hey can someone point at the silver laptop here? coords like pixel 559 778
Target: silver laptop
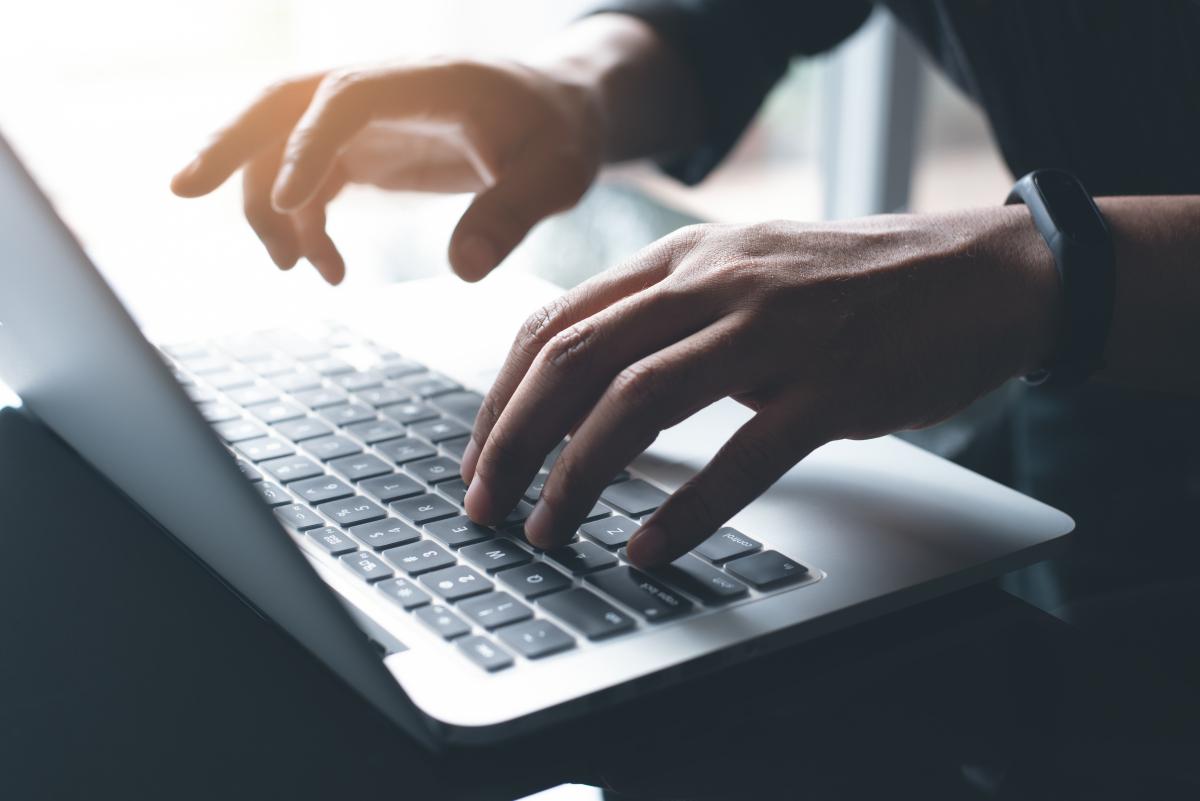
pixel 315 472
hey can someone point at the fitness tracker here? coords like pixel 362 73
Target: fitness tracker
pixel 1076 233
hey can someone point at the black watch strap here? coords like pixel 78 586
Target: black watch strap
pixel 1076 233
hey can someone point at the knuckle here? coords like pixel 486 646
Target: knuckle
pixel 639 385
pixel 568 349
pixel 538 327
pixel 489 413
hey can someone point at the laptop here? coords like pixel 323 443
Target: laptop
pixel 314 471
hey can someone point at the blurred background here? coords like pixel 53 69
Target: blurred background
pixel 106 100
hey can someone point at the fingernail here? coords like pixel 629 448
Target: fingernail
pixel 469 457
pixel 280 193
pixel 474 257
pixel 648 548
pixel 539 527
pixel 478 502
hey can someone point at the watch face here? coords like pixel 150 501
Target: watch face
pixel 1068 204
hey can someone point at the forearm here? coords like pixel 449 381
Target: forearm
pixel 647 96
pixel 1154 340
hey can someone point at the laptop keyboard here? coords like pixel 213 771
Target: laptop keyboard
pixel 356 450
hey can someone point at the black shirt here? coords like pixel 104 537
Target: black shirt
pixel 1108 90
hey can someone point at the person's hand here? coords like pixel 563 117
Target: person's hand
pixel 844 330
pixel 527 142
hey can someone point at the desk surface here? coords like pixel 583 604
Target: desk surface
pixel 130 672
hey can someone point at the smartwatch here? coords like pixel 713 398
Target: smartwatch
pixel 1078 237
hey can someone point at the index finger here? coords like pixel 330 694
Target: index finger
pixel 264 122
pixel 647 268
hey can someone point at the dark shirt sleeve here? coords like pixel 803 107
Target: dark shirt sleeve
pixel 738 49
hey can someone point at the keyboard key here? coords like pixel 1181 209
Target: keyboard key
pixel 431 471
pixel 397 367
pixel 597 512
pixel 619 477
pixel 439 430
pixel 464 405
pixel 322 488
pixel 211 410
pixel 459 531
pixel 409 413
pixel 353 382
pixel 186 350
pixel 534 580
pixel 329 366
pixel 249 472
pixel 386 533
pixel 767 569
pixel 553 455
pixel 648 597
pixel 297 383
pixel 402 451
pixel 634 497
pixel 455 490
pixel 536 638
pixel 304 428
pixel 404 592
pixel 534 491
pixel 726 544
pixel 455 446
pixel 427 385
pixel 206 364
pixel 382 396
pixel 444 622
pixel 239 430
pixel 326 448
pixel 611 532
pixel 391 488
pixel 253 394
pixel 263 448
pixel 292 468
pixel 496 554
pixel 298 517
pixel 364 465
pixel 348 414
pixel 456 583
pixel 495 609
pixel 374 431
pixel 332 541
pixel 711 585
pixel 484 653
pixel 230 379
pixel 419 557
pixel 587 613
pixel 352 511
pixel 321 397
pixel 424 509
pixel 272 494
pixel 519 514
pixel 367 565
pixel 582 557
pixel 271 367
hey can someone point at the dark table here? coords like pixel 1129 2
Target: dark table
pixel 130 672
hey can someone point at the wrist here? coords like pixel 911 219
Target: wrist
pixel 1022 253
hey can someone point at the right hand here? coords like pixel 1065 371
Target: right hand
pixel 526 142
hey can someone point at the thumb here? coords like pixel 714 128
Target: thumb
pixel 498 219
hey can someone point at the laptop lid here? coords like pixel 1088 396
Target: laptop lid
pixel 71 351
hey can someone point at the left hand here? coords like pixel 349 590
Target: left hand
pixel 826 331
